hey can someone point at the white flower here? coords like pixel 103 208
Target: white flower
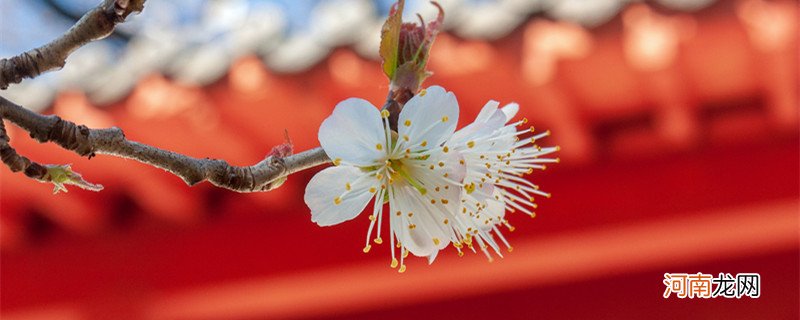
pixel 496 160
pixel 412 169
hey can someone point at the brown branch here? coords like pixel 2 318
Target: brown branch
pixel 263 176
pixel 18 163
pixel 94 25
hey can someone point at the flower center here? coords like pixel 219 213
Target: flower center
pixel 398 170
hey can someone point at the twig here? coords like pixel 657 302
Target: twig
pixel 112 141
pixel 18 163
pixel 95 24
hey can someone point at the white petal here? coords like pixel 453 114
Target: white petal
pixel 431 117
pixel 486 123
pixel 432 257
pixel 510 110
pixel 487 111
pixel 353 132
pixel 494 209
pixel 421 240
pixel 328 185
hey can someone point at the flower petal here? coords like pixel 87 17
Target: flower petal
pixel 419 227
pixel 330 201
pixel 510 110
pixel 354 133
pixel 487 111
pixel 489 120
pixel 430 116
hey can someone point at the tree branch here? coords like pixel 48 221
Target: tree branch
pixel 95 24
pixel 263 176
pixel 18 163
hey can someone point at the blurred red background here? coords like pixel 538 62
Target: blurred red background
pixel 679 137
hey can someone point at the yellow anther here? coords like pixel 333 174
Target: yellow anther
pixel 405 255
pixel 347 186
pixel 405 137
pixel 402 269
pixel 372 190
pixel 337 200
pixel 441 164
pixel 558 148
pixel 446 187
pixel 436 241
pixel 379 146
pixel 446 221
pixel 412 226
pixel 445 201
pixel 445 175
pixel 378 240
pixel 408 150
pixel 511 228
pixel 366 249
pixel 431 167
pixel 394 263
pixel 410 214
pixel 398 213
pixel 384 113
pixel 424 143
pixel 470 144
pixel 407 123
pixel 337 161
pixel 379 176
pixel 445 118
pixel 524 120
pixel 423 92
pixel 372 217
pixel 437 189
pixel 470 188
pixel 532 129
pixel 461 253
pixel 461 161
pixel 433 201
pixel 510 249
pixel 445 149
